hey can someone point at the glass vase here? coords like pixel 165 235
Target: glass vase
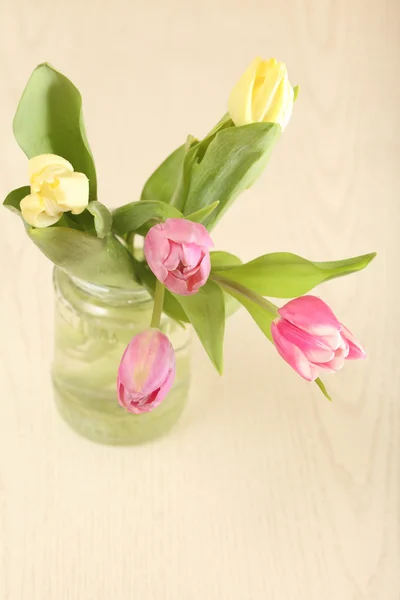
pixel 93 326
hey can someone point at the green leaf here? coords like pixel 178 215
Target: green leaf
pixel 296 90
pixel 323 389
pixel 226 260
pixel 206 312
pixel 131 217
pixel 285 275
pixel 162 184
pixel 231 164
pixel 102 218
pixel 102 261
pixel 223 260
pixel 49 120
pixel 170 181
pixel 171 307
pixel 223 123
pixel 200 215
pixel 14 198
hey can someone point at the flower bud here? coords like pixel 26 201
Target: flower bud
pixel 262 94
pixel 55 189
pixel 146 371
pixel 311 340
pixel 178 253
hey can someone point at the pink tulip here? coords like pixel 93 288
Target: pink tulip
pixel 311 339
pixel 178 253
pixel 146 372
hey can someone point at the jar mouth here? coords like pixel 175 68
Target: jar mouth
pixel 105 293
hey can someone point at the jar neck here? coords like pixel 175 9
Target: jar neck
pixel 113 296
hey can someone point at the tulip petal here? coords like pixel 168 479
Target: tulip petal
pixel 33 212
pixel 192 255
pixel 146 362
pixel 313 347
pixel 311 314
pixel 156 249
pixel 185 232
pixel 174 257
pixel 335 364
pixel 281 108
pixel 72 192
pixel 265 90
pixel 158 396
pixel 355 349
pixel 293 355
pixel 176 284
pixel 39 163
pixel 240 99
pixel 200 277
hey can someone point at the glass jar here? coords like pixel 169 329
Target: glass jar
pixel 93 326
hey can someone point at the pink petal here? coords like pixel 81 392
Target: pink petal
pixel 156 249
pixel 146 362
pixel 192 255
pixel 164 389
pixel 183 231
pixel 313 347
pixel 176 285
pixel 174 257
pixel 293 355
pixel 198 279
pixel 355 348
pixel 311 314
pixel 336 363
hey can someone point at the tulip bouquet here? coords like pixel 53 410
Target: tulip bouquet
pixel 181 203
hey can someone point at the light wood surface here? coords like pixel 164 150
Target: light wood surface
pixel 264 491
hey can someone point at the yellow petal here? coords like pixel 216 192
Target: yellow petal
pixel 33 212
pixel 240 99
pixel 72 192
pixel 281 108
pixel 37 164
pixel 264 92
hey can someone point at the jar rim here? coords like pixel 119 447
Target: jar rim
pixel 105 292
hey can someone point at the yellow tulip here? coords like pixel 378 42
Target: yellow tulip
pixel 55 189
pixel 263 93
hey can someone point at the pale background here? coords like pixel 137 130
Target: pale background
pixel 264 491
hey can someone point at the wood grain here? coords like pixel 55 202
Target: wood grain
pixel 264 491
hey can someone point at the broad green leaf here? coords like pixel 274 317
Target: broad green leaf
pixel 14 198
pixel 223 123
pixel 49 120
pixel 194 153
pixel 231 163
pixel 132 216
pixel 163 182
pixel 226 260
pixel 102 218
pixel 171 307
pixel 83 222
pixel 102 261
pixel 221 260
pixel 285 275
pixel 323 389
pixel 200 215
pixel 206 312
pixel 182 188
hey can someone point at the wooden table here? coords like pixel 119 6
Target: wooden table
pixel 264 491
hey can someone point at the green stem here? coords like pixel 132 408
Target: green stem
pixel 228 284
pixel 130 241
pixel 158 304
